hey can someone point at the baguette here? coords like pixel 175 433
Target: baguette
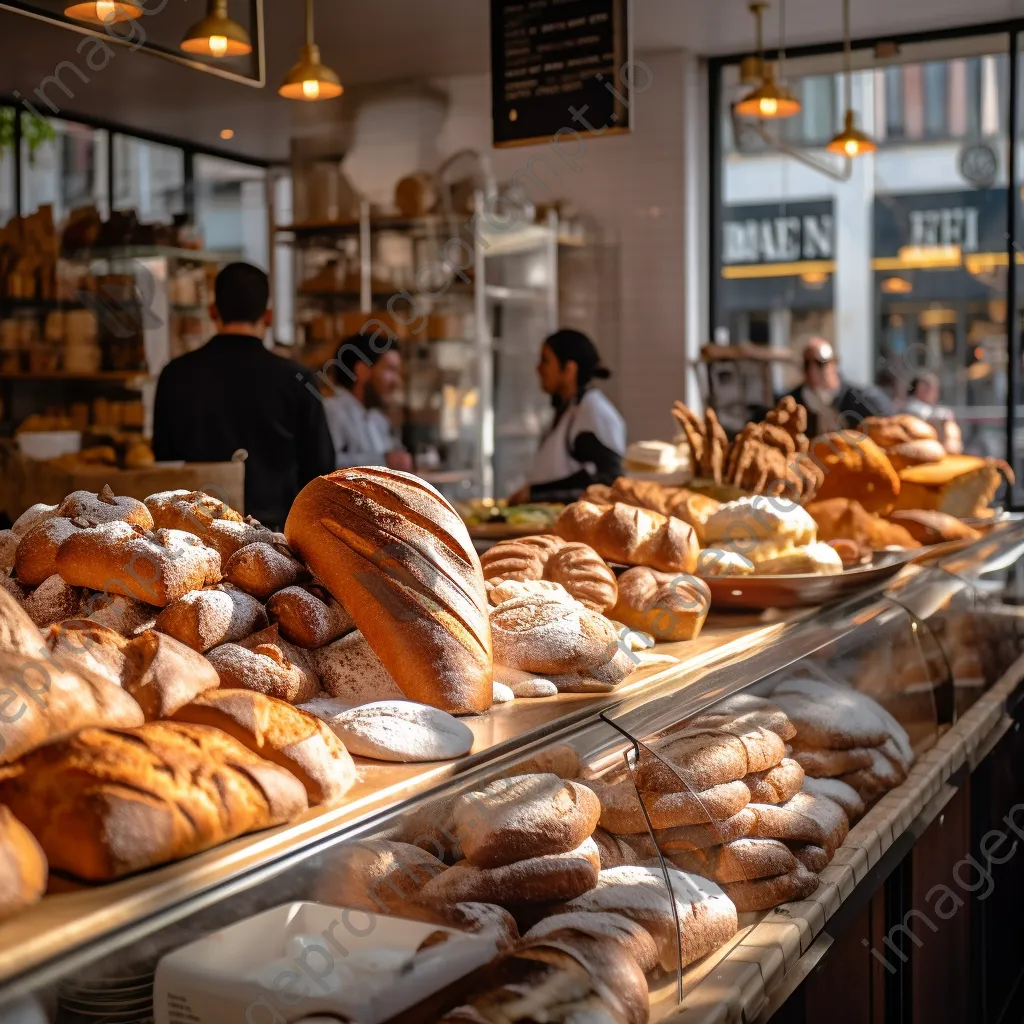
pixel 105 803
pixel 400 559
pixel 630 535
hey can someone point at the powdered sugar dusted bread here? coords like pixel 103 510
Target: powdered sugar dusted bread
pixel 218 525
pixel 559 876
pixel 524 816
pixel 636 942
pixel 105 507
pixel 18 633
pixel 838 792
pixel 766 893
pixel 806 818
pixel 706 916
pixel 308 616
pixel 738 861
pixel 163 674
pixel 744 711
pixel 400 730
pixel 397 555
pixel 32 517
pixel 203 619
pixel 828 764
pixel 623 814
pixel 119 558
pixel 712 833
pixel 8 545
pixel 266 664
pixel 832 716
pixel 53 601
pixel 261 569
pixel 350 671
pixel 124 615
pixel 281 734
pixel 36 557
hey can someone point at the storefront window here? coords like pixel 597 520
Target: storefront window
pixel 8 199
pixel 149 178
pixel 899 257
pixel 63 165
pixel 230 207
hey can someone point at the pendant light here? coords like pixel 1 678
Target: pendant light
pixel 217 35
pixel 769 100
pixel 851 141
pixel 310 80
pixel 103 12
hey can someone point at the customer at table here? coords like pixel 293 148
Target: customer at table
pixel 233 394
pixel 831 402
pixel 367 377
pixel 587 439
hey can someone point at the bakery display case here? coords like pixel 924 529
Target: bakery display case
pixel 761 777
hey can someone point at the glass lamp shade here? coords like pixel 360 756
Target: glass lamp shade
pixel 103 12
pixel 851 141
pixel 310 80
pixel 769 101
pixel 217 35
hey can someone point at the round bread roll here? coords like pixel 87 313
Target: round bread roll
pixel 766 893
pixel 266 664
pixel 85 645
pixel 23 869
pixel 584 574
pixel 636 942
pixel 669 607
pixel 118 558
pixel 399 730
pixel 308 616
pixel 350 671
pixel 776 785
pixel 558 876
pixel 261 569
pixel 163 674
pixel 35 559
pixel 376 875
pixel 32 517
pixel 738 861
pixel 838 792
pixel 397 555
pixel 524 816
pixel 204 619
pixel 53 601
pixel 279 733
pixel 915 453
pixel 105 507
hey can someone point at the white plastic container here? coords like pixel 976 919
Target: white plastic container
pixel 260 971
pixel 49 444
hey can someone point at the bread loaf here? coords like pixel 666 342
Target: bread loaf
pixel 308 616
pixel 203 619
pixel 633 939
pixel 105 803
pixel 805 818
pixel 521 559
pixel 846 519
pixel 830 764
pixel 105 507
pixel 18 633
pixel 689 506
pixel 739 861
pixel 524 816
pixel 399 558
pixel 838 792
pixel 283 735
pixel 892 431
pixel 118 558
pixel 87 646
pixel 915 453
pixel 43 701
pixel 36 557
pixel 622 813
pixel 931 527
pixel 632 536
pixel 776 785
pixel 261 569
pixel 855 467
pixel 124 615
pixel 349 671
pixel 742 712
pixel 766 893
pixel 829 716
pixel 8 546
pixel 53 601
pixel 712 833
pixel 814 858
pixel 163 675
pixel 32 517
pixel 266 664
pixel 23 867
pixel 669 607
pixel 211 520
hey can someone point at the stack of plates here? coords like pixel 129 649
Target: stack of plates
pixel 113 1001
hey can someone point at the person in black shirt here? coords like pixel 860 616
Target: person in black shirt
pixel 233 394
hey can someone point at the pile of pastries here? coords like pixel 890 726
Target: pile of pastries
pixel 596 881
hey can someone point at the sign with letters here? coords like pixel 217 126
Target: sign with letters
pixel 778 233
pixel 972 221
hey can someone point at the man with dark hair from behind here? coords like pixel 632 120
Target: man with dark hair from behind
pixel 234 394
pixel 367 374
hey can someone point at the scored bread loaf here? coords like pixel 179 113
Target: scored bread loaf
pixel 282 734
pixel 397 555
pixel 23 868
pixel 163 674
pixel 261 569
pixel 105 803
pixel 105 507
pixel 44 701
pixel 203 619
pixel 524 816
pixel 119 558
pixel 630 535
pixel 669 606
pixel 308 616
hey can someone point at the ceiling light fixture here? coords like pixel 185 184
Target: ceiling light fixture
pixel 217 35
pixel 851 141
pixel 897 286
pixel 310 80
pixel 103 12
pixel 227 133
pixel 769 100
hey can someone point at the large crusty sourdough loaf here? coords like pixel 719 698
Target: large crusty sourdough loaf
pixel 960 485
pixel 105 802
pixel 155 567
pixel 23 867
pixel 669 606
pixel 631 535
pixel 400 559
pixel 282 734
pixel 163 674
pixel 44 701
pixel 204 619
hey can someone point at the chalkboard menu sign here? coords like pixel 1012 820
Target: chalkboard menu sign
pixel 559 67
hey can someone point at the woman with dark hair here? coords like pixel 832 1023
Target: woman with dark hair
pixel 587 439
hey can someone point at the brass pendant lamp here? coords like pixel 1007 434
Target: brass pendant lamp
pixel 851 141
pixel 769 100
pixel 217 35
pixel 103 12
pixel 310 80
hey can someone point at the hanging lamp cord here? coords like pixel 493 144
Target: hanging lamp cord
pixel 309 22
